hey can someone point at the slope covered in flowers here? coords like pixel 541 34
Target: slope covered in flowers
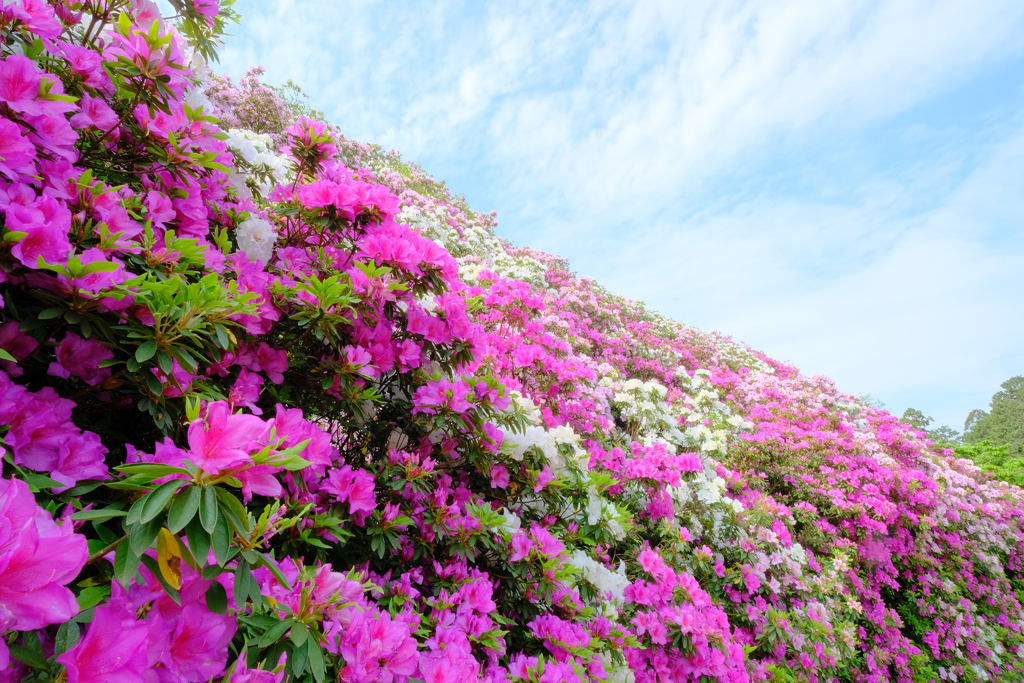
pixel 276 406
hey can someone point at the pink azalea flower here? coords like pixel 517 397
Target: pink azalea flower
pixel 37 16
pixel 54 133
pixel 86 63
pixel 246 391
pixel 521 545
pixel 45 224
pixel 290 425
pixel 411 355
pixel 221 440
pixel 244 674
pixel 546 544
pixel 352 486
pixel 448 665
pixel 208 8
pixel 145 12
pixel 160 209
pixel 273 362
pixel 92 284
pixel 195 640
pixel 17 344
pixel 17 153
pixel 430 326
pixel 95 113
pixel 113 650
pixel 37 559
pixel 81 357
pixel 43 437
pixel 80 457
pixel 179 381
pixel 260 479
pixel 19 84
pixel 376 648
pixel 544 477
pixel 499 477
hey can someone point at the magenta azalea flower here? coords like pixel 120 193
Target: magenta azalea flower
pixel 352 486
pixel 81 358
pixel 196 645
pixel 16 153
pixel 43 437
pixel 37 16
pixel 37 559
pixel 377 649
pixel 95 113
pixel 19 84
pixel 293 428
pixel 17 344
pixel 45 224
pixel 222 440
pixel 113 649
pixel 244 674
pixel 442 394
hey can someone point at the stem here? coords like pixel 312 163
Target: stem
pixel 98 555
pixel 89 390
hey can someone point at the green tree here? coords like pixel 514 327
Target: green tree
pixel 942 436
pixel 916 419
pixel 1003 424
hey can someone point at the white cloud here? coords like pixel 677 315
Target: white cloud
pixel 640 140
pixel 920 310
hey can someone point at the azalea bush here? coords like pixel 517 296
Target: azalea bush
pixel 276 405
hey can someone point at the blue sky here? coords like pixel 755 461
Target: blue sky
pixel 838 184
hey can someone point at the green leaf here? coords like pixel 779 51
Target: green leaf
pixel 233 510
pixel 126 563
pixel 156 502
pixel 99 267
pixel 156 387
pixel 185 358
pixel 29 657
pixel 217 598
pixel 222 336
pixel 198 540
pixel 151 470
pixel 67 637
pixel 165 362
pixel 208 509
pixel 298 657
pixel 135 512
pixel 4 355
pixel 243 576
pixel 84 486
pixel 102 513
pixel 37 482
pixel 316 659
pixel 93 595
pixel 221 538
pixel 184 508
pixel 51 313
pixel 145 351
pixel 274 633
pixel 141 536
pixel 298 635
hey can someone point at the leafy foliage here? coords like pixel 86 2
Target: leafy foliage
pixel 276 406
pixel 1003 424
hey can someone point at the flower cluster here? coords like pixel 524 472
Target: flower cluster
pixel 275 405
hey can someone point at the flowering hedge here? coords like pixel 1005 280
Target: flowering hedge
pixel 276 406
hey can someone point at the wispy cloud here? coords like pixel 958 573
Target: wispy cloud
pixel 818 179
